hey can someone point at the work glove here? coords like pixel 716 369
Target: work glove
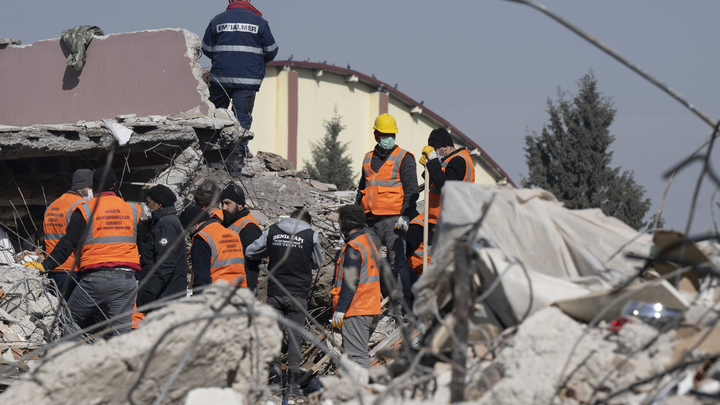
pixel 428 153
pixel 338 319
pixel 402 224
pixel 34 265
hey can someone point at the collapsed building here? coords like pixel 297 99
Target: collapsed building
pixel 524 301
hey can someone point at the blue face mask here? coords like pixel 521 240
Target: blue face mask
pixel 387 142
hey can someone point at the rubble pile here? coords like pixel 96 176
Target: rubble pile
pixel 226 334
pixel 29 307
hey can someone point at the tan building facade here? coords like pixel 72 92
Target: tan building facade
pixel 297 97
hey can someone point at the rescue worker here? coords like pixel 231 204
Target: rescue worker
pixel 294 251
pixel 238 218
pixel 55 222
pixel 356 286
pixel 388 192
pixel 109 254
pixel 170 276
pixel 444 162
pixel 204 197
pixel 239 43
pixel 414 252
pixel 216 252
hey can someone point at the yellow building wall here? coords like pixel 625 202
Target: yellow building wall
pixel 318 98
pixel 356 103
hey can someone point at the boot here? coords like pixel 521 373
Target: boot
pixel 294 392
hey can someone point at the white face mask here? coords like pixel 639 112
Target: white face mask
pixel 89 196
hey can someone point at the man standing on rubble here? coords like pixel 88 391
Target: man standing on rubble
pixel 456 165
pixel 55 223
pixel 109 254
pixel 170 274
pixel 388 193
pixel 239 43
pixel 294 250
pixel 238 218
pixel 356 286
pixel 216 252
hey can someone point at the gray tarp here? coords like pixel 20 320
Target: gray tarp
pixel 567 253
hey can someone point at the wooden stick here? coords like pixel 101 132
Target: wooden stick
pixel 425 218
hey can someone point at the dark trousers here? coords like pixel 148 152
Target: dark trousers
pixel 243 102
pixel 293 339
pixel 105 290
pixel 394 241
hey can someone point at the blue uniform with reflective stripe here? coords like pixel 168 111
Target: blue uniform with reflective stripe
pixel 239 43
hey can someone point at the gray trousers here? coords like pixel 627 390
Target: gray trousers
pixel 293 339
pixel 394 241
pixel 108 290
pixel 356 332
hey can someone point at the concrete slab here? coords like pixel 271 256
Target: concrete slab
pixel 143 73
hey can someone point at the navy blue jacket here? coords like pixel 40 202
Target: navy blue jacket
pixel 239 43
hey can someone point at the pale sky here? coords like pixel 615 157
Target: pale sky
pixel 486 66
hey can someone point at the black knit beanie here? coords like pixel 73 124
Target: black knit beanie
pixel 162 195
pixel 193 215
pixel 110 180
pixel 233 192
pixel 439 138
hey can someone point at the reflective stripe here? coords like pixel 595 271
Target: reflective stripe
pixel 136 213
pixel 417 221
pixel 364 279
pixel 53 236
pixel 211 242
pixel 386 183
pixel 227 262
pixel 418 253
pixel 70 211
pixel 234 48
pixel 270 48
pixel 238 228
pixel 111 239
pixel 236 80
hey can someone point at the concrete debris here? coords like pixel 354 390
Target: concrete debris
pixel 215 396
pixel 233 351
pixel 275 162
pixel 29 305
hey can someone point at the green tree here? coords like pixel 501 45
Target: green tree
pixel 329 161
pixel 651 222
pixel 571 157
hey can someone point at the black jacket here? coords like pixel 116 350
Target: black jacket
pixel 408 177
pixel 171 275
pixel 455 170
pixel 301 244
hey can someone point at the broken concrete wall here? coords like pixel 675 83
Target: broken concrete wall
pixel 145 73
pixel 233 352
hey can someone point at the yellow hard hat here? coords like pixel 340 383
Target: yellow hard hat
pixel 385 123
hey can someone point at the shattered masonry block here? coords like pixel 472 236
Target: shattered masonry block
pixel 144 73
pixel 233 352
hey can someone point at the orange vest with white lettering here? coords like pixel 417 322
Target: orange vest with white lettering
pixel 434 197
pixel 415 262
pixel 366 300
pixel 227 261
pixel 57 217
pixel 383 193
pixel 217 213
pixel 112 232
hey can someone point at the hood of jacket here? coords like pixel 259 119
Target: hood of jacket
pixel 293 225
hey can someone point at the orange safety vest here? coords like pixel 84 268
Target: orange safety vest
pixel 227 262
pixel 416 260
pixel 383 193
pixel 113 233
pixel 57 218
pixel 434 197
pixel 217 214
pixel 367 296
pixel 242 222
